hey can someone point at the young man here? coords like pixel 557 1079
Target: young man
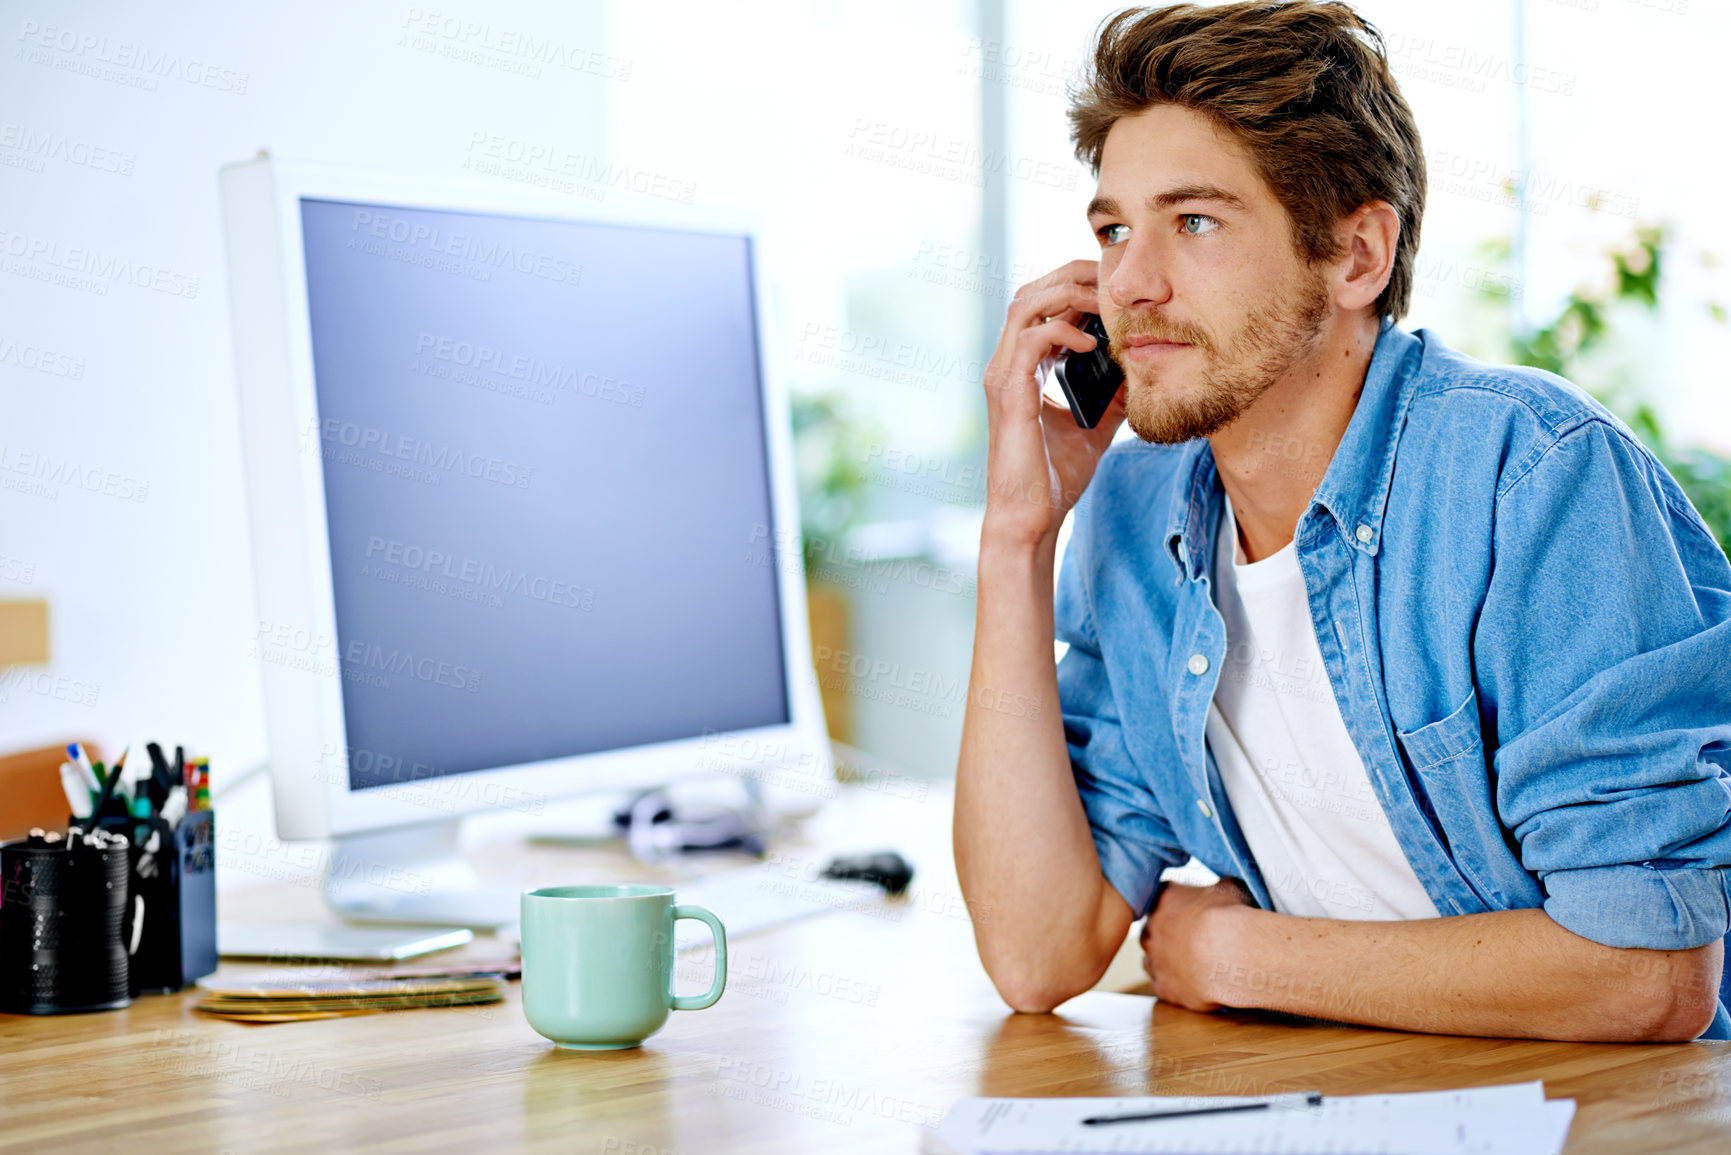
pixel 1428 659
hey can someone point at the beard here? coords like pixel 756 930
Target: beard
pixel 1237 369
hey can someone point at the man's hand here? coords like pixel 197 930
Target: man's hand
pixel 1038 460
pixel 1507 973
pixel 1179 941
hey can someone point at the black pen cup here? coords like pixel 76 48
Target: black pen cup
pixel 177 882
pixel 63 922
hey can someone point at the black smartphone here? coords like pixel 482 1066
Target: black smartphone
pixel 1090 380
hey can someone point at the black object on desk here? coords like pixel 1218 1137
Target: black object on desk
pixel 65 925
pixel 1311 1099
pixel 886 868
pixel 178 883
pixel 172 829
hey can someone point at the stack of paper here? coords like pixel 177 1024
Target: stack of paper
pixel 281 1001
pixel 1515 1119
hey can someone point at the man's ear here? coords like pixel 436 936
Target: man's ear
pixel 1367 238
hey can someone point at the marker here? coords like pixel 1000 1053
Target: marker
pixel 1313 1099
pixel 200 783
pixel 77 793
pixel 82 761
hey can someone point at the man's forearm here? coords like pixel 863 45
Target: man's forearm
pixel 1509 973
pixel 1024 853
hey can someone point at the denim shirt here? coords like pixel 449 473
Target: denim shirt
pixel 1526 626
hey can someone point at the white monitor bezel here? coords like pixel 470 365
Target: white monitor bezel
pixel 304 709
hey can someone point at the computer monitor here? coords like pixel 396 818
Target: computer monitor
pixel 519 488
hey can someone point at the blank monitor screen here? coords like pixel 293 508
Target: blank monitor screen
pixel 546 486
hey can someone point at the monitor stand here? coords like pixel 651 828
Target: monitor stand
pixel 414 874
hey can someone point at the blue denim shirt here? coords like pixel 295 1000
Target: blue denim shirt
pixel 1526 625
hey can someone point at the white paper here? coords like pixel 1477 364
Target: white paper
pixel 1559 1113
pixel 1513 1119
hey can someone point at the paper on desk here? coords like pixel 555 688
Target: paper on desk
pixel 1508 1120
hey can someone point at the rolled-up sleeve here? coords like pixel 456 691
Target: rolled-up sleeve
pixel 1133 840
pixel 1603 654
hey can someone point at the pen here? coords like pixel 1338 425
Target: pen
pixel 82 760
pixel 160 779
pixel 118 773
pixel 77 793
pixel 107 793
pixel 1312 1099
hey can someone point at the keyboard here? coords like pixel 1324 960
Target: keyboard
pixel 758 898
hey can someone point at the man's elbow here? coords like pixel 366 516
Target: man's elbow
pixel 1035 994
pixel 1043 965
pixel 1660 1016
pixel 1036 984
pixel 1684 1015
pixel 1675 1008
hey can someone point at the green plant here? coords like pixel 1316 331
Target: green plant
pixel 1568 343
pixel 831 446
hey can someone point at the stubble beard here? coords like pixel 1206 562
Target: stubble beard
pixel 1273 338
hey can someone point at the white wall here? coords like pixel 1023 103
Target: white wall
pixel 114 119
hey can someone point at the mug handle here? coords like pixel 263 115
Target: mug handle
pixel 698 1002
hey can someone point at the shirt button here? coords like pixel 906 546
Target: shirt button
pixel 1207 810
pixel 1364 534
pixel 1198 664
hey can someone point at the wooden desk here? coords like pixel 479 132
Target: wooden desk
pixel 843 1033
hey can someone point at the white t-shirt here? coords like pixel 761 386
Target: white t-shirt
pixel 1295 779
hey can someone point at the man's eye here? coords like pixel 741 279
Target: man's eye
pixel 1112 234
pixel 1196 225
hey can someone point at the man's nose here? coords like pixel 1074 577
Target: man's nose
pixel 1140 277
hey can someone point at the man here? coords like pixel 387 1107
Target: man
pixel 1428 659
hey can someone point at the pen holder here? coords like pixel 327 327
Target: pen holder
pixel 178 881
pixel 63 928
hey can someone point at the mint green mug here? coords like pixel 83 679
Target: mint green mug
pixel 598 963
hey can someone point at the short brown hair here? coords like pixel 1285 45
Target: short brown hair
pixel 1304 85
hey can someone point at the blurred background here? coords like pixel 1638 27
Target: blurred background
pixel 908 166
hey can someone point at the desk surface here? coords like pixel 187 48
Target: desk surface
pixel 843 1033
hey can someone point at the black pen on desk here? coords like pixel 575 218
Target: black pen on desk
pixel 108 786
pixel 160 776
pixel 1310 1100
pixel 122 788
